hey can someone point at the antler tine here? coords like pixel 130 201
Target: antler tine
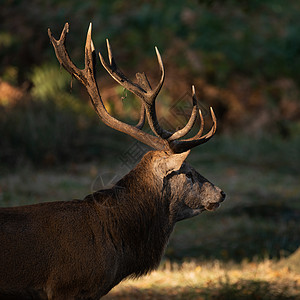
pixel 117 75
pixel 162 77
pixel 150 98
pixel 62 53
pixel 142 89
pixel 141 122
pixel 184 145
pixel 214 127
pixel 89 51
pixel 199 133
pixel 110 55
pixel 187 128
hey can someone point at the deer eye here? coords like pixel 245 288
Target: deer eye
pixel 190 176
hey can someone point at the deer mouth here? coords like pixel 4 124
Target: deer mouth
pixel 212 206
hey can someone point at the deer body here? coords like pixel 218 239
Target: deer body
pixel 70 250
pixel 81 249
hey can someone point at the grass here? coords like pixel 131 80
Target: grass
pixel 244 250
pixel 212 281
pixel 29 186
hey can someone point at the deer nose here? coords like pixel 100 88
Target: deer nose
pixel 223 195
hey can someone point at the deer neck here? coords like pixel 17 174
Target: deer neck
pixel 139 221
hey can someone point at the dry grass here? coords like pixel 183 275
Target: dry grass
pixel 212 281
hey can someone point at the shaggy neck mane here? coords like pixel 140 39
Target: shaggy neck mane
pixel 136 218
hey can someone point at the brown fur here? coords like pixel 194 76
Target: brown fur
pixel 80 249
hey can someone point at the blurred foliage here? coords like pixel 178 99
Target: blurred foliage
pixel 48 81
pixel 243 56
pixel 46 133
pixel 51 84
pixel 255 38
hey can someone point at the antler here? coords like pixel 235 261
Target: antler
pixel 87 77
pixel 163 139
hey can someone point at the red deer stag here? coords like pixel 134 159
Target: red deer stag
pixel 81 249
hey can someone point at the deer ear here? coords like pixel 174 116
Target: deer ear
pixel 174 162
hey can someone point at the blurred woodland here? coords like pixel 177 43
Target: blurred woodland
pixel 243 58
